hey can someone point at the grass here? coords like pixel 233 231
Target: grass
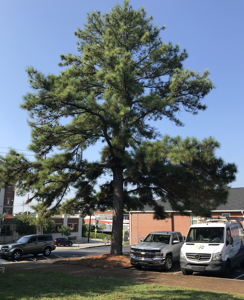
pixel 58 286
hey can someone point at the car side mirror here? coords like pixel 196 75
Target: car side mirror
pixel 141 240
pixel 176 242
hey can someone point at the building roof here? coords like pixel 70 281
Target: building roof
pixel 235 202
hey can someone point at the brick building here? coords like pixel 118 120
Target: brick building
pixel 142 222
pixel 7 200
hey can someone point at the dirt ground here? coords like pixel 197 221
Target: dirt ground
pixel 103 261
pixel 118 267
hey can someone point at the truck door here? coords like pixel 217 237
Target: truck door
pixel 176 246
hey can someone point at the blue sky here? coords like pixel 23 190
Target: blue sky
pixel 35 33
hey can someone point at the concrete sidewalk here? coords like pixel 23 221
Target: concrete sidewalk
pixel 84 244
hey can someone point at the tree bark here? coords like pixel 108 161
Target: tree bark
pixel 118 203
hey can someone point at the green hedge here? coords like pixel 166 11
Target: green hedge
pixel 98 235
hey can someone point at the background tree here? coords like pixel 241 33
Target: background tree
pixel 43 221
pixel 115 90
pixel 24 224
pixel 102 227
pixel 65 230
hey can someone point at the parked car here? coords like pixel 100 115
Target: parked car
pixel 62 242
pixel 29 244
pixel 159 249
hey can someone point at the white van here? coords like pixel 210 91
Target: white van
pixel 216 245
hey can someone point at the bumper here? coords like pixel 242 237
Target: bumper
pixel 5 254
pixel 156 262
pixel 216 266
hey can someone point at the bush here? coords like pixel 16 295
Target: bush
pixel 97 235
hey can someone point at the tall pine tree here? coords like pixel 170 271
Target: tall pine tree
pixel 121 80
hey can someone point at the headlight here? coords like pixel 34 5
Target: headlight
pixel 217 256
pixel 10 247
pixel 182 255
pixel 132 251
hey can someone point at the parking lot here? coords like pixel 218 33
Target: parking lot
pixel 89 250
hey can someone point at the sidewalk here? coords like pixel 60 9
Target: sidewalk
pixel 84 244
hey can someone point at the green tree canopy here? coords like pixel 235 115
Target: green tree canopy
pixel 65 230
pixel 24 223
pixel 123 79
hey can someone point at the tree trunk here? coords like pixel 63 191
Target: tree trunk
pixel 118 203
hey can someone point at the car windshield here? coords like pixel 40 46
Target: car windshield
pixel 206 235
pixel 157 238
pixel 23 239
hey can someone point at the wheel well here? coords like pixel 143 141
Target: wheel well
pixel 169 254
pixel 18 250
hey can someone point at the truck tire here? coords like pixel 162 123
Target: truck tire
pixel 138 267
pixel 186 272
pixel 168 263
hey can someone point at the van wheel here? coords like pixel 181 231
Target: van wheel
pixel 17 254
pixel 227 271
pixel 186 272
pixel 242 264
pixel 168 264
pixel 47 251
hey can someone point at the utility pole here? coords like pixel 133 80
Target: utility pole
pixel 23 203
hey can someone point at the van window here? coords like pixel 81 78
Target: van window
pixel 206 235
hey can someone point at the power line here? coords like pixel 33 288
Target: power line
pixel 15 149
pixel 25 154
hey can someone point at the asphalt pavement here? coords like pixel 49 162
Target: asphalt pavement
pixel 85 244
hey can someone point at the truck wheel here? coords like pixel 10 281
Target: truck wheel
pixel 186 272
pixel 168 264
pixel 138 267
pixel 17 254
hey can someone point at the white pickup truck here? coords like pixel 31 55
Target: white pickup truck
pixel 159 249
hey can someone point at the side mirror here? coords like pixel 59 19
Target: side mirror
pixel 141 240
pixel 176 242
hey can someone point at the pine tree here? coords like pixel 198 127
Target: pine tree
pixel 122 79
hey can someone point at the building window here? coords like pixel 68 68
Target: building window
pixel 57 226
pixel 225 215
pixel 73 227
pixel 194 219
pixel 8 201
pixel 5 230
